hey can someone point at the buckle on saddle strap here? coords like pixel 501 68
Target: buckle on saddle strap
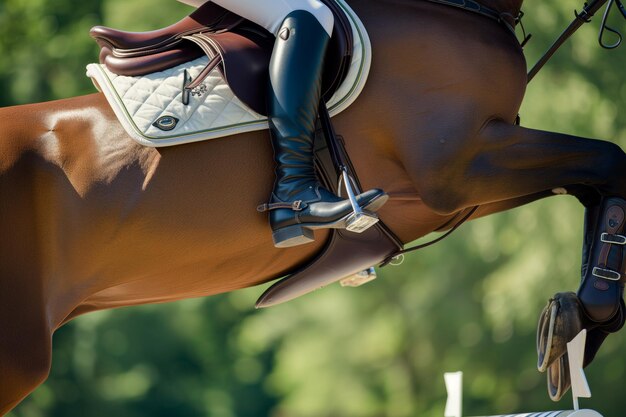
pixel 606 274
pixel 613 239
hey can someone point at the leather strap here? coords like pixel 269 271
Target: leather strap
pixel 297 205
pixel 581 18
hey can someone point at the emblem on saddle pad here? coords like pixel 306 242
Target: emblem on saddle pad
pixel 166 123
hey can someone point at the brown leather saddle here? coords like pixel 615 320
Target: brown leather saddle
pixel 241 50
pixel 236 47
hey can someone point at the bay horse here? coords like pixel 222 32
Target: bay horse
pixel 91 220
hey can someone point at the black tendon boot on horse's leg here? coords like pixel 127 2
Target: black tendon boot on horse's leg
pixel 299 203
pixel 598 306
pixel 602 286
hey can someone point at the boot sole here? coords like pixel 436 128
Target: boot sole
pixel 300 234
pixel 292 236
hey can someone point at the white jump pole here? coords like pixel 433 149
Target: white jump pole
pixel 567 413
pixel 580 387
pixel 576 356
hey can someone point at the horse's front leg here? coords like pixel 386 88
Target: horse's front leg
pixel 511 163
pixel 25 335
pixel 504 162
pixel 25 319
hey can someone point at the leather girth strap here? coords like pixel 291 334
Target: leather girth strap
pixel 345 253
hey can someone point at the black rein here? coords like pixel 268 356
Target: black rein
pixel 589 9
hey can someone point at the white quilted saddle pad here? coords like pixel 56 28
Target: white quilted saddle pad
pixel 139 102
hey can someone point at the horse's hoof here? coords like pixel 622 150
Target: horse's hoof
pixel 558 324
pixel 292 236
pixel 558 377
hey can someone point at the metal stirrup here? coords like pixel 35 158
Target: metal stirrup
pixel 359 220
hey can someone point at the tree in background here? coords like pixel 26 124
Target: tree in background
pixel 469 303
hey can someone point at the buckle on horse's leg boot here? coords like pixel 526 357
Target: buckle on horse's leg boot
pixel 359 220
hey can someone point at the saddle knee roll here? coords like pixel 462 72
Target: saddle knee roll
pixel 602 286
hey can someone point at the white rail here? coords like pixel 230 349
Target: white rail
pixel 580 388
pixel 566 413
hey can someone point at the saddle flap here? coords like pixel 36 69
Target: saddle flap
pixel 365 249
pixel 246 58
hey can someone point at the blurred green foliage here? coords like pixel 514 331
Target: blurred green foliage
pixel 469 303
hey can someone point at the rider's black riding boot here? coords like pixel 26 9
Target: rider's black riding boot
pixel 298 203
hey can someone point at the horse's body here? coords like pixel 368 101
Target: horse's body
pixel 91 220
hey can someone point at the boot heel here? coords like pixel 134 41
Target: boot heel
pixel 292 236
pixel 360 222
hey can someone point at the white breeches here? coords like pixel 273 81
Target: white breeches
pixel 271 13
